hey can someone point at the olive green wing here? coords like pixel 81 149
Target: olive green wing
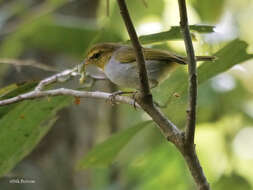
pixel 127 55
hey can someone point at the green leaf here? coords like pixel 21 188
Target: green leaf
pixel 7 89
pixel 116 24
pixel 24 126
pixel 14 90
pixel 233 53
pixel 103 154
pixel 173 34
pixel 232 182
pixel 14 44
pixel 209 11
pixel 160 168
pixel 51 36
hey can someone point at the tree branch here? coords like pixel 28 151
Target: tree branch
pixel 59 77
pixel 143 76
pixel 67 92
pixel 188 150
pixel 191 112
pixel 184 143
pixel 63 77
pixel 31 63
pixel 168 129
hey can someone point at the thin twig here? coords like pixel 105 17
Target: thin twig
pixel 31 63
pixel 67 92
pixel 191 112
pixel 188 150
pixel 63 77
pixel 143 76
pixel 59 77
pixel 168 129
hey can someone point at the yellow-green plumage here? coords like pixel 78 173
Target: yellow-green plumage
pixel 119 63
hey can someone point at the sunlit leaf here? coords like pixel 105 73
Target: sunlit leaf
pixel 173 34
pixel 233 53
pixel 209 11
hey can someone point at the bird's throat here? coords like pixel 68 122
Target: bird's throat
pixel 104 60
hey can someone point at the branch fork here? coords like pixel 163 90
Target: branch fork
pixel 184 141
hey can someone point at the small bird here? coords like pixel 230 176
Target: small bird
pixel 118 62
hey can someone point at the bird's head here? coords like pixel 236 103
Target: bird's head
pixel 100 54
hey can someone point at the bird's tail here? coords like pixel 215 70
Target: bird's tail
pixel 184 60
pixel 205 58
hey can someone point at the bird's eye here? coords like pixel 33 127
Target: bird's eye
pixel 96 55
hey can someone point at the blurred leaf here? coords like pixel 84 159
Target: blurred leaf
pixel 24 126
pixel 173 34
pixel 16 90
pixel 233 53
pixel 7 89
pixel 102 155
pixel 20 89
pixel 14 44
pixel 51 36
pixel 209 11
pixel 116 24
pixel 232 182
pixel 210 139
pixel 160 168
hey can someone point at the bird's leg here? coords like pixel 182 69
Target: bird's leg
pixel 134 98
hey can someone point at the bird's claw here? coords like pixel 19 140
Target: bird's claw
pixel 113 96
pixel 134 98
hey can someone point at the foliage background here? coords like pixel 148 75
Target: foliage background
pixel 45 140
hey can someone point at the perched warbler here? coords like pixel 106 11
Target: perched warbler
pixel 118 62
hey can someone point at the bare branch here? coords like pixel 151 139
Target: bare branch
pixel 62 77
pixel 191 112
pixel 188 150
pixel 195 168
pixel 143 76
pixel 168 129
pixel 59 77
pixel 67 92
pixel 31 63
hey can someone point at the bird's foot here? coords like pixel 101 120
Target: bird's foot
pixel 117 93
